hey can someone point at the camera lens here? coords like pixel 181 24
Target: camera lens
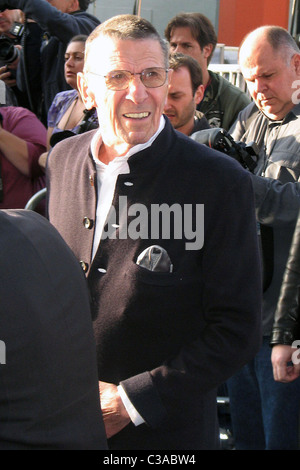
pixel 8 52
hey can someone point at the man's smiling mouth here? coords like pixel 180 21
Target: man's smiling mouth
pixel 137 115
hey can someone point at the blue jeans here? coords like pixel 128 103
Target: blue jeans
pixel 264 413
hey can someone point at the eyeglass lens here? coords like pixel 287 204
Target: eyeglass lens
pixel 151 78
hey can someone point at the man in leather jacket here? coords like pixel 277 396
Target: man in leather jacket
pixel 286 330
pixel 269 58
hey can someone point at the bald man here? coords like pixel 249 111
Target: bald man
pixel 265 413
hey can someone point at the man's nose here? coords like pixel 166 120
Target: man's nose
pixel 259 85
pixel 136 90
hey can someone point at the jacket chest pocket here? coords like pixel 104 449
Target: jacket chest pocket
pixel 284 165
pixel 169 301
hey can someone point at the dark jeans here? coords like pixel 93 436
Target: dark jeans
pixel 264 413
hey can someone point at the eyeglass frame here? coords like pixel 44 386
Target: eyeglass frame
pixel 132 74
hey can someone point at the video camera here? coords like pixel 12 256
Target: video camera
pixel 8 52
pixel 219 139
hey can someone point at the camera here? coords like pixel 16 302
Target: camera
pixel 219 139
pixel 8 52
pixel 85 125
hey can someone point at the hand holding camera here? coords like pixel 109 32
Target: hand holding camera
pixel 10 53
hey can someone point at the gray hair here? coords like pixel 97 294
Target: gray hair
pixel 126 27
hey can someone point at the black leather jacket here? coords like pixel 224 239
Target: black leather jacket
pixel 286 327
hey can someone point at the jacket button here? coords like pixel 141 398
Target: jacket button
pixel 88 223
pixel 84 266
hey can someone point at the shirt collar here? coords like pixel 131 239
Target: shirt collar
pixel 97 142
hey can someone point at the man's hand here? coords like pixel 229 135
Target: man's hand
pixel 5 71
pixel 281 355
pixel 5 76
pixel 115 416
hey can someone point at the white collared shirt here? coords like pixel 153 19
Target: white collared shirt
pixel 107 176
pixel 106 182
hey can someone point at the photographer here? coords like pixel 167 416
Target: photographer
pixel 11 30
pixel 262 408
pixel 264 412
pixel 43 55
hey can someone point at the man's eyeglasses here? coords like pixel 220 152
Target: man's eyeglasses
pixel 119 79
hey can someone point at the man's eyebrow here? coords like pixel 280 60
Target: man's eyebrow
pixel 264 73
pixel 182 43
pixel 176 93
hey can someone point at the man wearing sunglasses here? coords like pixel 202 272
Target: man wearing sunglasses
pixel 174 314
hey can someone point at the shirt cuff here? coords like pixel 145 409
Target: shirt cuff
pixel 133 414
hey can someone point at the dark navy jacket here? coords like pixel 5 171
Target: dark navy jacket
pixel 169 338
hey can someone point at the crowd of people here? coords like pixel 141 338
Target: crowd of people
pixel 179 267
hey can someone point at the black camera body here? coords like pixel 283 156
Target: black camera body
pixel 84 126
pixel 219 139
pixel 8 52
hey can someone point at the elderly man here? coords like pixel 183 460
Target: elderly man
pixel 50 26
pixel 265 413
pixel 193 34
pixel 172 317
pixel 185 92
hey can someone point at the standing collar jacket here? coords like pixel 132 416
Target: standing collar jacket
pixel 156 332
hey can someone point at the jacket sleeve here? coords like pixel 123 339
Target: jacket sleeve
pixel 286 323
pixel 277 200
pixel 231 300
pixel 62 25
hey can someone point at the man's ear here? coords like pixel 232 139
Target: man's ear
pixel 86 95
pixel 198 97
pixel 73 6
pixel 207 50
pixel 296 63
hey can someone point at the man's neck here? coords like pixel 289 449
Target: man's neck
pixel 107 153
pixel 187 128
pixel 205 77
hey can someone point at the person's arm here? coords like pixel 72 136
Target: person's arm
pixel 44 155
pixel 22 140
pixel 15 151
pixel 286 326
pixel 63 25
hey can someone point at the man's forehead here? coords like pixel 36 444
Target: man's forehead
pixel 260 58
pixel 107 50
pixel 181 33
